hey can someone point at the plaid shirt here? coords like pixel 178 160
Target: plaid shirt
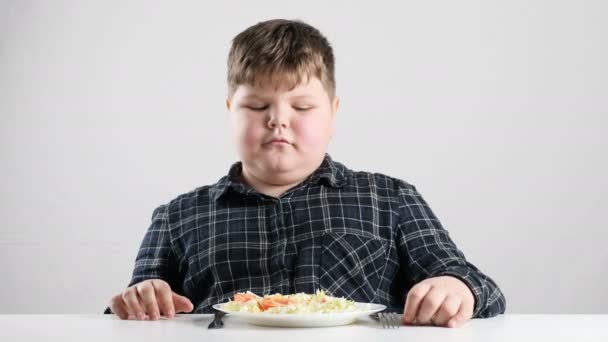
pixel 365 236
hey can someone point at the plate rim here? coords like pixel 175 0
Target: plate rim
pixel 376 308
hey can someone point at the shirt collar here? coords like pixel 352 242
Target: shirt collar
pixel 329 173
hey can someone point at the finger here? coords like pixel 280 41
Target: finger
pixel 413 300
pixel 164 298
pixel 147 297
pixel 182 304
pixel 118 307
pixel 131 299
pixel 448 309
pixel 464 313
pixel 430 304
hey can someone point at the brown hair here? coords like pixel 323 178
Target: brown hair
pixel 278 51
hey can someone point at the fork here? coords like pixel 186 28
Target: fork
pixel 217 320
pixel 389 320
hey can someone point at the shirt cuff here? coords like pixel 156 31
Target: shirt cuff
pixel 463 274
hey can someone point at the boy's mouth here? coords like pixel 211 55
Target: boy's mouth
pixel 276 141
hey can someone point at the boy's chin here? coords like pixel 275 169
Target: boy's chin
pixel 275 164
pixel 278 162
pixel 279 165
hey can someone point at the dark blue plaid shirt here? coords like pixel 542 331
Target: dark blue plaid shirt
pixel 364 236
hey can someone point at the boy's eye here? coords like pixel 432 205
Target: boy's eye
pixel 257 109
pixel 302 108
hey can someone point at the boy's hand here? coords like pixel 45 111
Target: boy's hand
pixel 150 297
pixel 444 301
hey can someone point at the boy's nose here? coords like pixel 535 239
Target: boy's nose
pixel 278 119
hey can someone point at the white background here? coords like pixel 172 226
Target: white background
pixel 495 110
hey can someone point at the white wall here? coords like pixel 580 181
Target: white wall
pixel 496 111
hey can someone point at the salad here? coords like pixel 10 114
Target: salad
pixel 298 303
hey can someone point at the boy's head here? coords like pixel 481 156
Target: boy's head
pixel 281 86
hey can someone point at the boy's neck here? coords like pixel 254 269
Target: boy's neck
pixel 274 190
pixel 277 185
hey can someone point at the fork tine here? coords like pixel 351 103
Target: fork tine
pixel 392 320
pixel 389 320
pixel 397 320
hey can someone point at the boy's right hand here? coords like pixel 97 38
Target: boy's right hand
pixel 149 299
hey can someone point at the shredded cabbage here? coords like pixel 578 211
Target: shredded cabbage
pixel 299 303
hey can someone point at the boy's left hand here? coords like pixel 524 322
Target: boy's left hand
pixel 443 301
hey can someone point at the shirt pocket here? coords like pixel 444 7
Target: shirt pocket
pixel 351 265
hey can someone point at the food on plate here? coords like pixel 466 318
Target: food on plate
pixel 299 303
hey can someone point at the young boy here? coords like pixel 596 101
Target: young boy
pixel 287 218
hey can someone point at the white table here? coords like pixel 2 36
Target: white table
pixel 194 328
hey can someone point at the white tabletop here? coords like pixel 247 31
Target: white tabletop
pixel 194 328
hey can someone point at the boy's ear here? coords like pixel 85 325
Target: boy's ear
pixel 335 106
pixel 228 104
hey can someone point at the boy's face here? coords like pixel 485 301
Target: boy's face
pixel 282 135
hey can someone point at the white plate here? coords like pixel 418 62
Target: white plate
pixel 305 320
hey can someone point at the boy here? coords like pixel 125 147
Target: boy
pixel 288 219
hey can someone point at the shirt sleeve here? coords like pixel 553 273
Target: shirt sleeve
pixel 155 258
pixel 426 250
